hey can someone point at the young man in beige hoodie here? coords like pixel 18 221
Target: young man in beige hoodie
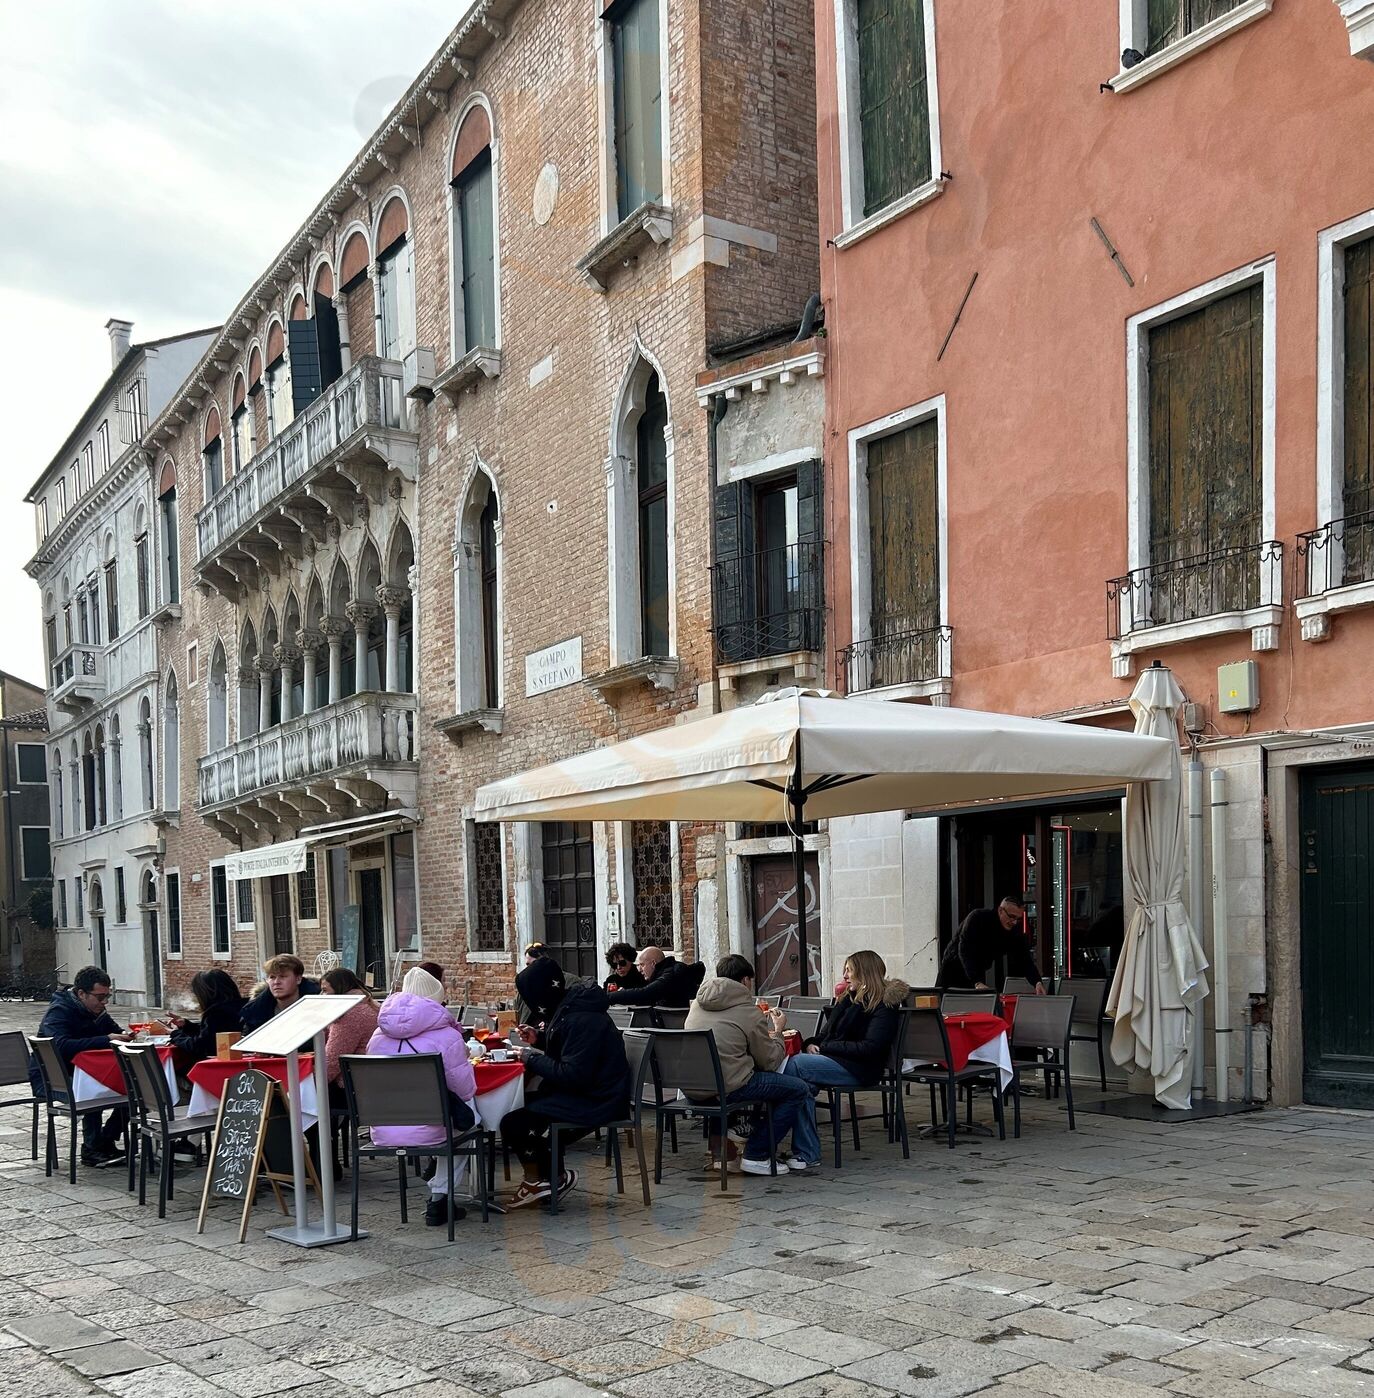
pixel 749 1043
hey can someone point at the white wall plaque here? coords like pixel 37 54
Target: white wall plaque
pixel 553 667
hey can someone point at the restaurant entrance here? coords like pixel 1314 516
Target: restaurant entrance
pixel 777 944
pixel 1067 860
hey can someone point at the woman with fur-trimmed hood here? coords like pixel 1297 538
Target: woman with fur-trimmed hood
pixel 857 1034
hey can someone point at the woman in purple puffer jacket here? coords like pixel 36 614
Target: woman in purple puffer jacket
pixel 414 1020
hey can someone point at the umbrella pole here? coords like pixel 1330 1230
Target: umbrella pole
pixel 798 798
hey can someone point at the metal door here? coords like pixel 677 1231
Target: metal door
pixel 777 947
pixel 1337 853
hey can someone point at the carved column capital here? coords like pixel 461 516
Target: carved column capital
pixel 392 599
pixel 360 613
pixel 309 640
pixel 284 654
pixel 333 627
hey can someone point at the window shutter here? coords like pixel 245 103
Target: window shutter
pixel 327 336
pixel 306 384
pixel 734 599
pixel 903 528
pixel 479 261
pixel 638 104
pixel 894 112
pixel 1359 382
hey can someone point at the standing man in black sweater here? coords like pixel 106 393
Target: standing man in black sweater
pixel 983 936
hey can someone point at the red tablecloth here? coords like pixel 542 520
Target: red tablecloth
pixel 968 1032
pixel 1009 1008
pixel 490 1076
pixel 211 1074
pixel 101 1065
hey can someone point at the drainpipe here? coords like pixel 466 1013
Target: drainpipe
pixel 1221 1009
pixel 1196 854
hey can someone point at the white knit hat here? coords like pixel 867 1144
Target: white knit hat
pixel 418 981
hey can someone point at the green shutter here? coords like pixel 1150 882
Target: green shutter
pixel 638 104
pixel 734 589
pixel 479 254
pixel 894 112
pixel 1168 21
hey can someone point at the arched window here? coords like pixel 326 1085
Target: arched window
pixel 145 751
pixel 279 408
pixel 102 815
pixel 218 699
pixel 639 523
pixel 395 281
pixel 111 589
pixel 241 424
pixel 74 771
pixel 293 699
pixel 88 783
pixel 116 761
pixel 212 454
pixel 371 664
pixel 473 235
pixel 399 612
pixel 58 810
pixel 142 568
pixel 343 683
pixel 250 704
pixel 269 673
pixel 171 746
pixel 167 512
pixel 477 599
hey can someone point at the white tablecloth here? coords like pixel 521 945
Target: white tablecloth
pixel 996 1051
pixel 204 1102
pixel 86 1089
pixel 492 1106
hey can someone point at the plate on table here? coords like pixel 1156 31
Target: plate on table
pixel 158 1040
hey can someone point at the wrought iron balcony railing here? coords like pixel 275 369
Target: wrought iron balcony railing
pixel 369 395
pixel 769 603
pixel 897 657
pixel 1339 554
pixel 1237 578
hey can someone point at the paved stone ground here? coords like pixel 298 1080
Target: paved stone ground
pixel 1216 1258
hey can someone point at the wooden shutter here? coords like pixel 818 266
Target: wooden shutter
pixel 810 540
pixel 1168 21
pixel 904 531
pixel 1357 498
pixel 327 325
pixel 306 384
pixel 638 104
pixel 1205 397
pixel 894 111
pixel 734 592
pixel 479 254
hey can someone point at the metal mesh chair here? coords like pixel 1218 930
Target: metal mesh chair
pixel 1089 1016
pixel 475 1016
pixel 807 1022
pixel 60 1100
pixel 1043 1027
pixel 686 1061
pixel 622 1016
pixel 408 1090
pixel 958 1002
pixel 805 1002
pixel 155 1117
pixel 926 1040
pixel 14 1072
pixel 665 1017
pixel 1017 985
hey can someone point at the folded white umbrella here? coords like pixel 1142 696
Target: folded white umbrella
pixel 805 754
pixel 1159 984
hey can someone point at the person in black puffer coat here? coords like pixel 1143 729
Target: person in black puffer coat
pixel 857 1035
pixel 671 984
pixel 221 1005
pixel 580 1057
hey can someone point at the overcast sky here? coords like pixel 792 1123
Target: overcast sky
pixel 157 155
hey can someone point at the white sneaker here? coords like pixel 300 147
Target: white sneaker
pixel 755 1167
pixel 795 1163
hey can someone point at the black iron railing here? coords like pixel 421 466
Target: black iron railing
pixel 1338 554
pixel 769 603
pixel 896 657
pixel 1232 579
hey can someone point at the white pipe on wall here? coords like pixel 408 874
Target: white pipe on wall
pixel 1221 985
pixel 1196 855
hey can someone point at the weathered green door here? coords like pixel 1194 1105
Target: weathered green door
pixel 1337 872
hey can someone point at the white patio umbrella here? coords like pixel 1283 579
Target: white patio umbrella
pixel 805 754
pixel 1159 982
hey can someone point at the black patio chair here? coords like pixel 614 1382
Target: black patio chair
pixel 14 1072
pixel 475 1016
pixel 59 1100
pixel 1040 1037
pixel 665 1017
pixel 1090 1019
pixel 1017 985
pixel 807 1022
pixel 686 1061
pixel 926 1041
pixel 409 1090
pixel 960 1002
pixel 805 1002
pixel 622 1016
pixel 158 1120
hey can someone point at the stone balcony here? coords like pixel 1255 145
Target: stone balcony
pixel 353 757
pixel 77 677
pixel 341 448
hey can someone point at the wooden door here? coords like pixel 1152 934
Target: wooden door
pixel 777 944
pixel 279 899
pixel 1337 864
pixel 569 881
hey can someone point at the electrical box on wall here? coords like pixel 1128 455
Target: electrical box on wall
pixel 1238 687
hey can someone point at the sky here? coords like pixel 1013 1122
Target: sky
pixel 157 155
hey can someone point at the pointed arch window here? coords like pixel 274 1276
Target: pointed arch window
pixel 474 236
pixel 395 282
pixel 145 751
pixel 218 700
pixel 167 514
pixel 477 599
pixel 171 747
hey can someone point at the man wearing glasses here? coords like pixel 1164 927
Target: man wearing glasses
pixel 75 1021
pixel 984 936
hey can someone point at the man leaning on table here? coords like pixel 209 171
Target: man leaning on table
pixel 985 935
pixel 75 1021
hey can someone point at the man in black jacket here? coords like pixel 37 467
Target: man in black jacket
pixel 585 1077
pixel 669 984
pixel 985 935
pixel 75 1021
pixel 286 983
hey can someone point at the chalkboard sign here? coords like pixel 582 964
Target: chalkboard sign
pixel 236 1155
pixel 349 925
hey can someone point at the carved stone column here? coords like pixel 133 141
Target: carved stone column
pixel 309 642
pixel 360 613
pixel 333 628
pixel 345 349
pixel 264 693
pixel 391 600
pixel 286 658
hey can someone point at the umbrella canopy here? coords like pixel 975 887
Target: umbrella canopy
pixel 853 756
pixel 1159 981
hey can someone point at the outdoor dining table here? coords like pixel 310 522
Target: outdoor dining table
pixel 96 1074
pixel 210 1075
pixel 500 1089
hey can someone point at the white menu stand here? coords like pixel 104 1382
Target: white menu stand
pixel 287 1033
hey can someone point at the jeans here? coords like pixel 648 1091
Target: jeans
pixel 816 1070
pixel 794 1110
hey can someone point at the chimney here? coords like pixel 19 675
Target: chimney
pixel 120 333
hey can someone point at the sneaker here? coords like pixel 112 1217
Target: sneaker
pixel 756 1167
pixel 737 1136
pixel 437 1211
pixel 566 1181
pixel 796 1164
pixel 732 1153
pixel 529 1194
pixel 100 1156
